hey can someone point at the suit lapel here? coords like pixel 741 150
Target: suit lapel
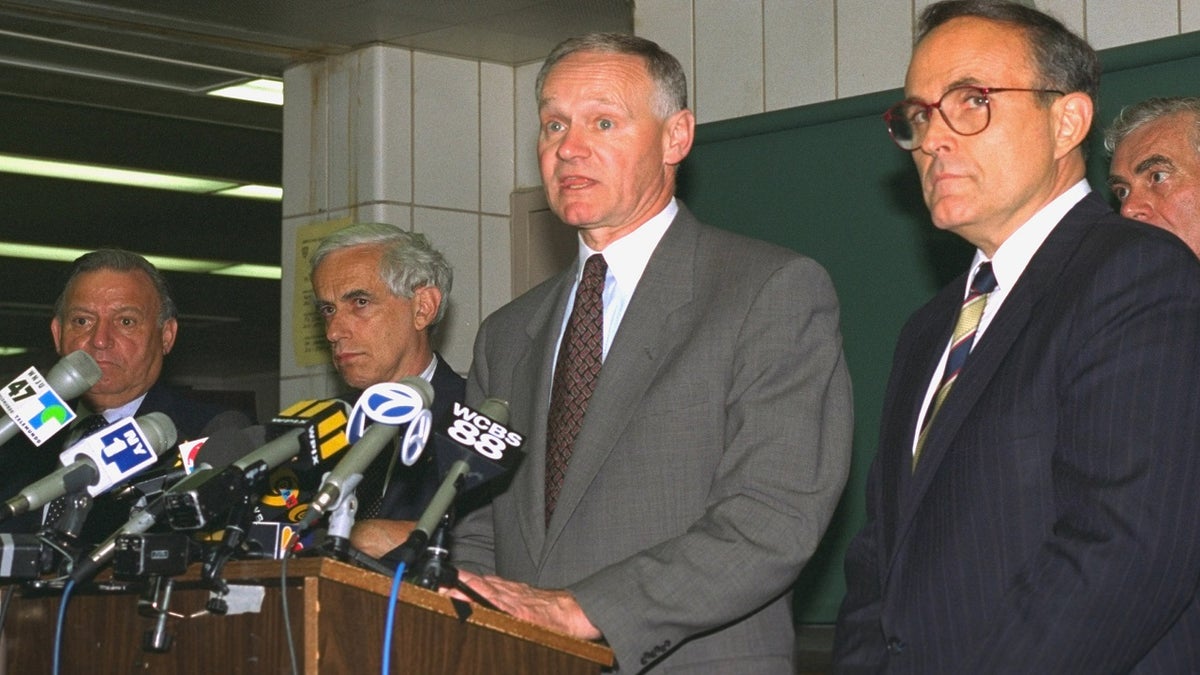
pixel 933 328
pixel 987 356
pixel 650 327
pixel 533 373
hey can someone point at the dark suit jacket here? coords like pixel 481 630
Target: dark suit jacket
pixel 411 487
pixel 1051 525
pixel 712 455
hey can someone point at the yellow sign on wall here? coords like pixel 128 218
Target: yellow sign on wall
pixel 308 330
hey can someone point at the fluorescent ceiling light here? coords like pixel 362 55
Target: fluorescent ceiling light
pixel 268 192
pixel 96 173
pixel 262 90
pixel 251 271
pixel 64 254
pixel 12 351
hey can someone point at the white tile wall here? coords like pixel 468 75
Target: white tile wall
pixel 671 24
pixel 456 235
pixel 1189 15
pixel 1111 23
pixel 798 53
pixel 446 148
pixel 818 50
pixel 1070 12
pixel 304 146
pixel 381 126
pixel 495 264
pixel 399 215
pixel 497 156
pixel 526 131
pixel 340 85
pixel 874 41
pixel 729 57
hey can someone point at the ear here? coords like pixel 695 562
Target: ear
pixel 679 130
pixel 56 331
pixel 425 303
pixel 1073 118
pixel 169 328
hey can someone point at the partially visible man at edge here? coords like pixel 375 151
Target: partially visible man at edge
pixel 671 519
pixel 1155 170
pixel 117 307
pixel 381 291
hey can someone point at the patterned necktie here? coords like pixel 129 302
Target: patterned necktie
pixel 960 345
pixel 575 373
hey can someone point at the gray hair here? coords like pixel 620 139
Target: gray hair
pixel 670 83
pixel 121 261
pixel 1133 116
pixel 409 262
pixel 1064 60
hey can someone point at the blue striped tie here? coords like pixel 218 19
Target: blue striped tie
pixel 960 344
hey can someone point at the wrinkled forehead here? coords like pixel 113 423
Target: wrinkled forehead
pixel 969 50
pixel 132 287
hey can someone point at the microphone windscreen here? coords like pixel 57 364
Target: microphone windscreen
pixel 229 445
pixel 227 419
pixel 74 374
pixel 159 430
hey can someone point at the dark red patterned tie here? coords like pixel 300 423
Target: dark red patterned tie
pixel 575 373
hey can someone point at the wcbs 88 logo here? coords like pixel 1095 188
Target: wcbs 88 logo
pixel 481 433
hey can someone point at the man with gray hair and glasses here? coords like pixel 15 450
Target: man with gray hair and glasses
pixel 1155 170
pixel 1030 508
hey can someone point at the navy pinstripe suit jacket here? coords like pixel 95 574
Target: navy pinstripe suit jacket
pixel 1052 524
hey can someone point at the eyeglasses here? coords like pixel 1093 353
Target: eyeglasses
pixel 966 109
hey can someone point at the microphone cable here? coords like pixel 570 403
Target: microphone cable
pixel 388 626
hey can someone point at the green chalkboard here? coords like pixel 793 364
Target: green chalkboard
pixel 826 180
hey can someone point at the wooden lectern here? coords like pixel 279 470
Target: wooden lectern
pixel 337 614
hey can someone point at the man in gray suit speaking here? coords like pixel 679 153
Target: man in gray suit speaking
pixel 683 390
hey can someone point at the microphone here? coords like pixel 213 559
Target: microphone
pixel 482 439
pixel 390 404
pixel 99 461
pixel 197 506
pixel 38 406
pixel 324 429
pixel 220 450
pixel 154 482
pixel 473 447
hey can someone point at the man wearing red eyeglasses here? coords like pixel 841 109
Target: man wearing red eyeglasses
pixel 1031 506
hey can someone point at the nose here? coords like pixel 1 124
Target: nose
pixel 335 328
pixel 938 134
pixel 101 337
pixel 573 144
pixel 1136 206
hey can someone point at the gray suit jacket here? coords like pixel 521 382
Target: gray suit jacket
pixel 713 453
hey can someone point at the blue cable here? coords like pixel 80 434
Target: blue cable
pixel 58 630
pixel 391 619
